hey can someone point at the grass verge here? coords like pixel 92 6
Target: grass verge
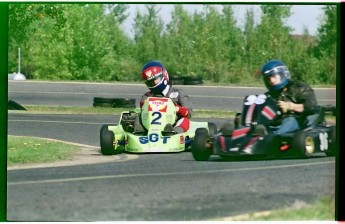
pixel 113 111
pixel 117 111
pixel 23 150
pixel 322 210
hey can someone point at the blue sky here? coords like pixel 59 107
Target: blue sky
pixel 303 16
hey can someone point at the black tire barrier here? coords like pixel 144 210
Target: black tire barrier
pixel 194 82
pixel 186 80
pixel 192 78
pixel 177 82
pixel 102 104
pixel 12 105
pixel 103 100
pixel 114 102
pixel 124 101
pixel 175 77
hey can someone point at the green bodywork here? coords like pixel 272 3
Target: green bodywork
pixel 155 114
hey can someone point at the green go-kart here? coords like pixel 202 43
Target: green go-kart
pixel 154 116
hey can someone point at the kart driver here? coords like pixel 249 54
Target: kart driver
pixel 296 99
pixel 156 79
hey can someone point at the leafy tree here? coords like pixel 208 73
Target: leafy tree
pixel 326 50
pixel 327 32
pixel 273 35
pixel 231 47
pixel 148 29
pixel 85 42
pixel 89 46
pixel 218 44
pixel 21 16
pixel 180 42
pixel 270 38
pixel 250 40
pixel 118 11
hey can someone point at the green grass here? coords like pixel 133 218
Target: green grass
pixel 23 150
pixel 113 111
pixel 321 210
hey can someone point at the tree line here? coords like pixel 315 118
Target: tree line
pixel 80 41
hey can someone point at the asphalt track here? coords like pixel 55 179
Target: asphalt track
pixel 152 187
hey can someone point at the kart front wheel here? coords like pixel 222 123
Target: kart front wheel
pixel 303 144
pixel 107 140
pixel 201 146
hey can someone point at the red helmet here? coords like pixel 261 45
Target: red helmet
pixel 155 75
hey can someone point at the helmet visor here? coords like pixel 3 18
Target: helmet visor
pixel 154 80
pixel 276 70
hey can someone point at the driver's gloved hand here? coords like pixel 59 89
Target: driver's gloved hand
pixel 286 106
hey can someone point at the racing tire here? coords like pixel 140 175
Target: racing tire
pixel 332 145
pixel 212 129
pixel 114 102
pixel 176 80
pixel 102 104
pixel 303 144
pixel 107 141
pixel 193 80
pixel 123 101
pixel 200 146
pixel 125 106
pixel 103 100
pixel 175 77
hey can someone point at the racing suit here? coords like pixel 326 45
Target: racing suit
pixel 299 93
pixel 181 101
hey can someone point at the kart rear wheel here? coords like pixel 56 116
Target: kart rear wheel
pixel 303 144
pixel 201 146
pixel 107 141
pixel 332 146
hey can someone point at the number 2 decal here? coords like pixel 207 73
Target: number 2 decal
pixel 253 99
pixel 155 120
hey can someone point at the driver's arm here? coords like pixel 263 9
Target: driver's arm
pixel 183 107
pixel 306 101
pixel 143 98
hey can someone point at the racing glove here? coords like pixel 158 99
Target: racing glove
pixel 286 106
pixel 182 111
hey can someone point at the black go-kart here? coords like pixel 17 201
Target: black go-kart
pixel 250 134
